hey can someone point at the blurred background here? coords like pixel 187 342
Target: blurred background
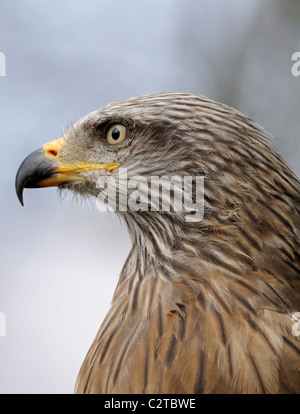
pixel 60 258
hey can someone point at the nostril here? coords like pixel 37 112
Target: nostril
pixel 52 152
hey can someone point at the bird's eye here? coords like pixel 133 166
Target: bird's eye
pixel 116 134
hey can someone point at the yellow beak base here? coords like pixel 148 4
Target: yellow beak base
pixel 44 168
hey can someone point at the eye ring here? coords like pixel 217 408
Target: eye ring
pixel 116 133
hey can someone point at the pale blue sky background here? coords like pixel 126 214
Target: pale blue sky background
pixel 60 259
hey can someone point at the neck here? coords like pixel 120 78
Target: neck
pixel 208 260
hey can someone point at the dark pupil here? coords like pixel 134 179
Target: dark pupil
pixel 115 134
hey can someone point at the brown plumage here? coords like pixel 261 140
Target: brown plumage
pixel 201 306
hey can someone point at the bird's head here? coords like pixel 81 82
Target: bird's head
pixel 148 137
pixel 171 135
pixel 138 135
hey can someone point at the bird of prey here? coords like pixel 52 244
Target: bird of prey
pixel 201 306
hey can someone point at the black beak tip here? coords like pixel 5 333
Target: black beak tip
pixel 19 186
pixel 20 196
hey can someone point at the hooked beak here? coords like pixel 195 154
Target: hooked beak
pixel 44 168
